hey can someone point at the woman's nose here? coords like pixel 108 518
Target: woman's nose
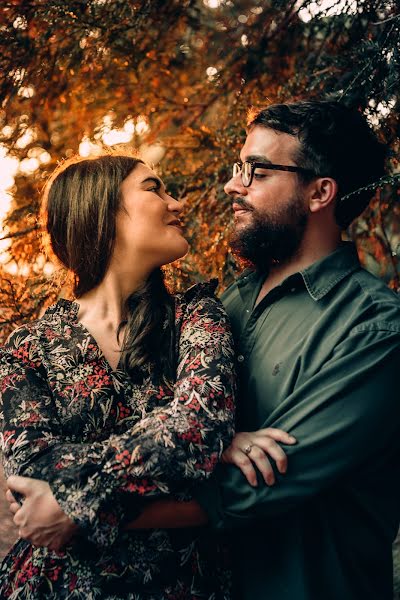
pixel 175 205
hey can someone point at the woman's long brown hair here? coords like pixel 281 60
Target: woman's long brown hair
pixel 80 205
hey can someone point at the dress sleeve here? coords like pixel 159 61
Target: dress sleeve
pixel 32 444
pixel 173 445
pixel 183 440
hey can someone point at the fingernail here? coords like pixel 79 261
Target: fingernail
pixel 292 438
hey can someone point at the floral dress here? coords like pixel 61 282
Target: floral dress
pixel 105 444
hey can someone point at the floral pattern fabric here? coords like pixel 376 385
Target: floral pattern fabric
pixel 106 443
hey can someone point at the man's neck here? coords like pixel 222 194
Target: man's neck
pixel 307 255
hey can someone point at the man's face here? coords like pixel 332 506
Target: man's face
pixel 271 214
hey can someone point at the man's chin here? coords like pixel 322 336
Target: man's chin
pixel 241 224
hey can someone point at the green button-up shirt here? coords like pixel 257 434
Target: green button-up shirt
pixel 319 357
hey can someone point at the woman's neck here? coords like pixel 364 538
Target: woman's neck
pixel 107 302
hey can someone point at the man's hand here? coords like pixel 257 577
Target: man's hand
pixel 253 447
pixel 39 518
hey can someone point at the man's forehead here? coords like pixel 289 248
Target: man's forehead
pixel 266 143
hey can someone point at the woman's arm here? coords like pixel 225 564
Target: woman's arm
pixel 180 442
pixel 39 518
pixel 184 440
pixel 42 522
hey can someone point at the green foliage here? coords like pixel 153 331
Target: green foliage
pixel 68 64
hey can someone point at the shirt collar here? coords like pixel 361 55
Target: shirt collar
pixel 320 277
pixel 246 276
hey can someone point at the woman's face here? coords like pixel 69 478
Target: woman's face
pixel 147 225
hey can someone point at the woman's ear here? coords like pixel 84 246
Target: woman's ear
pixel 322 193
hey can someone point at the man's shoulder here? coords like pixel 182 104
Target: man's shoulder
pixel 375 299
pixel 374 289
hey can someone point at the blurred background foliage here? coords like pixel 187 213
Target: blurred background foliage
pixel 175 80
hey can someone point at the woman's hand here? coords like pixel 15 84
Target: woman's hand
pixel 39 518
pixel 253 447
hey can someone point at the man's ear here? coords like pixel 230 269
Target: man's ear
pixel 322 193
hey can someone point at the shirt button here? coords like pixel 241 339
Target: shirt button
pixel 292 289
pixel 240 358
pixel 247 310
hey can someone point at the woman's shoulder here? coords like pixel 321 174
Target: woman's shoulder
pixel 198 291
pixel 200 303
pixel 53 321
pixel 200 297
pixel 23 334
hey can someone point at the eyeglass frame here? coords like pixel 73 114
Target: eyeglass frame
pixel 259 165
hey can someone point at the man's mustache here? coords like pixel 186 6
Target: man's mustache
pixel 242 203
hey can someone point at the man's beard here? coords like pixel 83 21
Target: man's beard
pixel 270 239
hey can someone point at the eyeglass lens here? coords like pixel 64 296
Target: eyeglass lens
pixel 243 169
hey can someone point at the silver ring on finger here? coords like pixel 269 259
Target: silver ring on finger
pixel 247 449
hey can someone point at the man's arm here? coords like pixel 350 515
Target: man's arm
pixel 344 417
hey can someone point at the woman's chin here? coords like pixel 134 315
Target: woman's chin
pixel 179 253
pixel 184 248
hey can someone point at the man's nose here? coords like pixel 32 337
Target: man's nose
pixel 235 186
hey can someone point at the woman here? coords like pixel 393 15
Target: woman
pixel 123 396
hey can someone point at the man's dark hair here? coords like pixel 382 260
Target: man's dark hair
pixel 336 142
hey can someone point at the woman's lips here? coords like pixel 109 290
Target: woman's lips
pixel 176 224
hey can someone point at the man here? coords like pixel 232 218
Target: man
pixel 318 348
pixel 318 342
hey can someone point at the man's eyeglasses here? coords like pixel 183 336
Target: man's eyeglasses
pixel 247 169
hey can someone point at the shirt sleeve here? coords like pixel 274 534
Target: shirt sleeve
pixel 343 417
pixel 178 443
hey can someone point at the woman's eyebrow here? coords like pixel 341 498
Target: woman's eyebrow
pixel 154 180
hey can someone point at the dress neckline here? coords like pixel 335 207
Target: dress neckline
pixel 69 310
